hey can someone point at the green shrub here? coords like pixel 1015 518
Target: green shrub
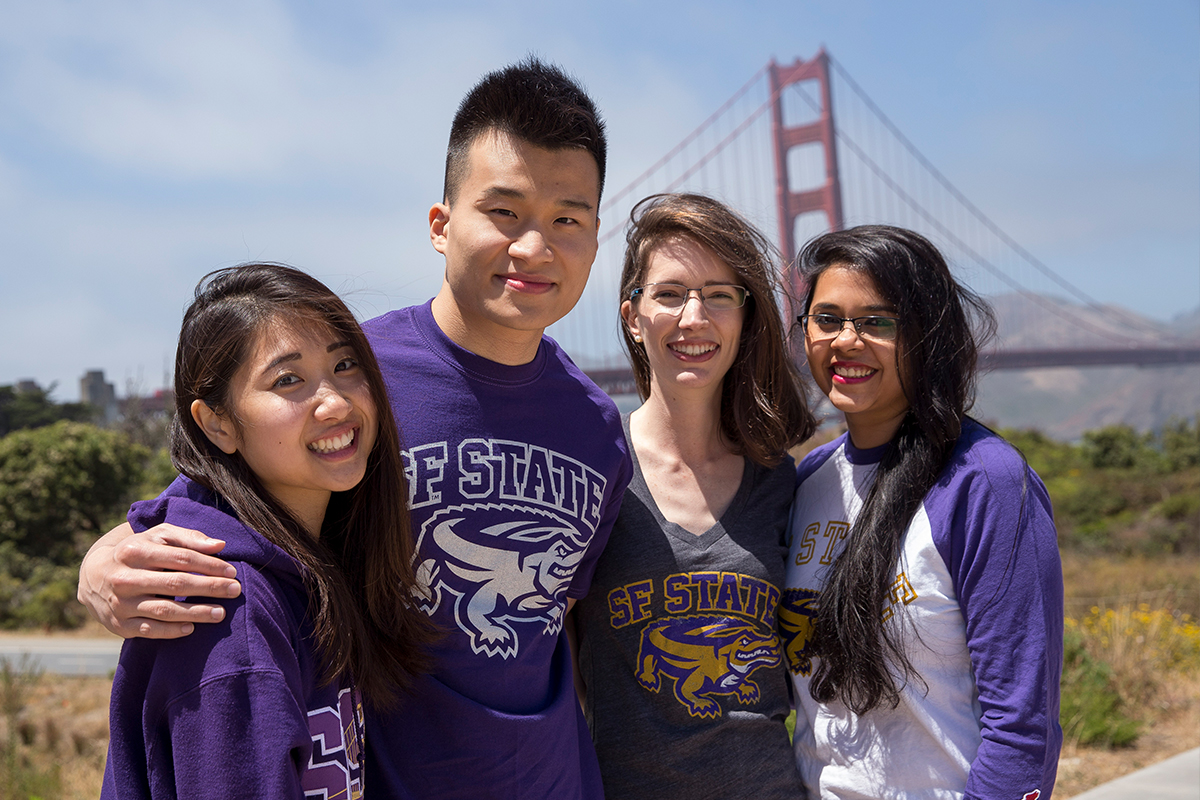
pixel 1091 712
pixel 1181 443
pixel 62 481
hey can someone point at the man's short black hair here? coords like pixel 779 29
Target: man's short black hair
pixel 531 101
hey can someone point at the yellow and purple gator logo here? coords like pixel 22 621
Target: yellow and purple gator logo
pixel 796 611
pixel 706 656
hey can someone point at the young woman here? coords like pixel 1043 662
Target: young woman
pixel 923 613
pixel 684 685
pixel 287 451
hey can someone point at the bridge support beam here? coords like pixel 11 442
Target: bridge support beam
pixel 826 197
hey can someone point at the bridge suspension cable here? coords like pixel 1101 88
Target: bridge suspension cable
pixel 884 178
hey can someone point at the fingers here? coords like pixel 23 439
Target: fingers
pixel 129 581
pixel 134 585
pixel 166 547
pixel 163 618
pixel 143 604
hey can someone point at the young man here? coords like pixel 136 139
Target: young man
pixel 516 464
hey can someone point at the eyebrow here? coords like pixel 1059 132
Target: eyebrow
pixel 286 357
pixel 872 309
pixel 281 360
pixel 501 192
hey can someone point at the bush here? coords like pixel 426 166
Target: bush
pixel 1120 491
pixel 35 592
pixel 157 476
pixel 1090 711
pixel 61 481
pixel 1181 443
pixel 1114 660
pixel 1115 447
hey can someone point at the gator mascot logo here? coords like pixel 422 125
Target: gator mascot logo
pixel 797 610
pixel 515 570
pixel 706 656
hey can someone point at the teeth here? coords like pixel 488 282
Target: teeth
pixel 852 372
pixel 333 443
pixel 693 349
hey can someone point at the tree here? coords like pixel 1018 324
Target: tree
pixel 63 480
pixel 1118 447
pixel 1181 443
pixel 34 409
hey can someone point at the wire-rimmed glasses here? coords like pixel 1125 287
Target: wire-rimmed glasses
pixel 672 297
pixel 819 327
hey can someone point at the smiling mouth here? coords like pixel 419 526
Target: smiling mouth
pixel 852 372
pixel 333 443
pixel 692 349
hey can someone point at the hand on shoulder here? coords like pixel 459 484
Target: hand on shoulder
pixel 129 581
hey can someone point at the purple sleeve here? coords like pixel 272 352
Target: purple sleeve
pixel 814 459
pixel 241 735
pixel 994 528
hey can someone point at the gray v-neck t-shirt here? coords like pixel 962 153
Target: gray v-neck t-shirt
pixel 686 688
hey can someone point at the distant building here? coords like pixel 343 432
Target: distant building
pixel 95 391
pixel 159 405
pixel 28 386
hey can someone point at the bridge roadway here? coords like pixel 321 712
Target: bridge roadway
pixel 620 380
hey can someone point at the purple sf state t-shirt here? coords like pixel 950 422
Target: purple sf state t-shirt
pixel 516 474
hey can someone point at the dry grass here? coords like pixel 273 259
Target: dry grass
pixel 1107 581
pixel 1138 615
pixel 64 725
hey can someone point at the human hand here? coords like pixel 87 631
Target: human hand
pixel 129 581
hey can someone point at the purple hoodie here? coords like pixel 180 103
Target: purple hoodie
pixel 236 709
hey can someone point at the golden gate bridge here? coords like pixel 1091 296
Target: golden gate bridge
pixel 801 149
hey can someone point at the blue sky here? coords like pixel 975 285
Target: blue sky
pixel 143 144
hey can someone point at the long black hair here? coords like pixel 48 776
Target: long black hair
pixel 359 572
pixel 942 326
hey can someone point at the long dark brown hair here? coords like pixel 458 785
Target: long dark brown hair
pixel 763 407
pixel 359 572
pixel 942 325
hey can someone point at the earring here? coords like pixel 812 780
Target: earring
pixel 637 337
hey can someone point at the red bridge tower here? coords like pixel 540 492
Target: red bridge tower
pixel 828 196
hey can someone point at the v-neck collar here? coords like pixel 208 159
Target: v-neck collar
pixel 714 534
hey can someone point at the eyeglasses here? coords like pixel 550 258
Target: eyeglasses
pixel 674 296
pixel 829 326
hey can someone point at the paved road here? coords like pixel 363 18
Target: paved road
pixel 1177 777
pixel 61 656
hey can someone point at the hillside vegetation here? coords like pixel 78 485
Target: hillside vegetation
pixel 1127 506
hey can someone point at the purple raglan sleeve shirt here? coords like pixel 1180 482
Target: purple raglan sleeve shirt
pixel 994 528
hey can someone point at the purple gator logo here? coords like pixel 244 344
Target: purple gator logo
pixel 706 656
pixel 516 569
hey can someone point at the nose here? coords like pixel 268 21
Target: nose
pixel 848 336
pixel 693 314
pixel 531 246
pixel 331 404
